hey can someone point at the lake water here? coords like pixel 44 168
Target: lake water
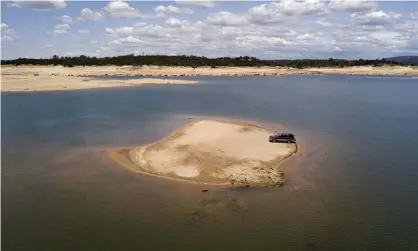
pixel 353 186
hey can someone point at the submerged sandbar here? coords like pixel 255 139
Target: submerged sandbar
pixel 210 151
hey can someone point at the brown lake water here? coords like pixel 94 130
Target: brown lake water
pixel 353 186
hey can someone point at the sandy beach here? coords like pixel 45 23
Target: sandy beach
pixel 211 152
pixel 34 78
pixel 50 78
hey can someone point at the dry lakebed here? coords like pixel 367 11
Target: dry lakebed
pixel 211 152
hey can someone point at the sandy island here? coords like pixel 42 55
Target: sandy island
pixel 51 78
pixel 211 152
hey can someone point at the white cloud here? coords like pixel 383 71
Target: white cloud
pixel 115 42
pixel 263 41
pixel 139 24
pixel 284 29
pixel 60 29
pixel 69 54
pixel 375 18
pixel 226 18
pixel 40 5
pixel 352 5
pixel 59 32
pixel 104 48
pixel 174 22
pixel 291 7
pixel 130 39
pixel 7 39
pixel 384 35
pixel 160 15
pixel 118 8
pixel 88 14
pixel 162 10
pixel 277 12
pixel 201 3
pixel 123 45
pixel 62 26
pixel 324 23
pixel 121 31
pixel 83 31
pixel 66 19
pixel 8 31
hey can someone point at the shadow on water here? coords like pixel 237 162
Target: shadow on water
pixel 349 188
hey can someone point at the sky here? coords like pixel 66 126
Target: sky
pixel 270 30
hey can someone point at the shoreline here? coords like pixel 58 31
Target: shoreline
pixel 58 78
pixel 62 83
pixel 122 157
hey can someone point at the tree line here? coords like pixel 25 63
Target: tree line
pixel 195 61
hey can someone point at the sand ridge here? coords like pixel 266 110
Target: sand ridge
pixel 211 151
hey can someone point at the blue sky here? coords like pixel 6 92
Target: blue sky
pixel 278 29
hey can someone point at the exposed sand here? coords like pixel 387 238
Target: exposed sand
pixel 18 79
pixel 49 78
pixel 368 70
pixel 210 151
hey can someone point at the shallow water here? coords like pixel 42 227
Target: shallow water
pixel 352 187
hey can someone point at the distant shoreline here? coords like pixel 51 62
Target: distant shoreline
pixel 53 78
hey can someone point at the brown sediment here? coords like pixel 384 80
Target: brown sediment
pixel 210 152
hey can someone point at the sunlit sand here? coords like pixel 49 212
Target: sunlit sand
pixel 210 151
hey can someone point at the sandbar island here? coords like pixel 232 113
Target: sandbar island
pixel 211 152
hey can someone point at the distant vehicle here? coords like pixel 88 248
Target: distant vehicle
pixel 282 138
